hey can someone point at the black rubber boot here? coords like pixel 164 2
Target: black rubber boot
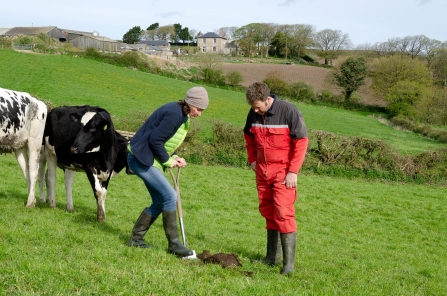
pixel 170 226
pixel 139 230
pixel 274 248
pixel 288 241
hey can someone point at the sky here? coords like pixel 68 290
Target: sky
pixel 365 21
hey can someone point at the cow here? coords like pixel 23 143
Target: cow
pixel 82 138
pixel 22 124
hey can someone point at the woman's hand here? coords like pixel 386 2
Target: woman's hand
pixel 179 162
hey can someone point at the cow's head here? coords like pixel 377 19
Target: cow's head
pixel 121 159
pixel 97 129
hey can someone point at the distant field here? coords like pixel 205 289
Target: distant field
pixel 315 76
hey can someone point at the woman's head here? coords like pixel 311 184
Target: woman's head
pixel 197 99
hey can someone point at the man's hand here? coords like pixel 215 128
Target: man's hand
pixel 290 180
pixel 253 165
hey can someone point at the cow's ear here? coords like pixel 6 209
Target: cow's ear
pixel 75 117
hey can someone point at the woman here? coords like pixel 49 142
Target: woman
pixel 150 152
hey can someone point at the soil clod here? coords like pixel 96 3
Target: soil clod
pixel 226 260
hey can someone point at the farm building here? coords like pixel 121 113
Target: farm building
pixel 51 31
pixel 160 48
pixel 212 43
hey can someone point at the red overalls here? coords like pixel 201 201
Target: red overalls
pixel 277 142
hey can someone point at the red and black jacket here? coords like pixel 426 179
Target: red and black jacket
pixel 278 136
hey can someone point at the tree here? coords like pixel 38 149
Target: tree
pixel 151 31
pixel 329 44
pixel 351 75
pixel 247 37
pixel 301 38
pixel 132 36
pixel 439 69
pixel 403 97
pixel 388 71
pixel 184 35
pixel 165 32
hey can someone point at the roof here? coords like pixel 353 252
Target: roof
pixel 4 30
pixel 29 30
pixel 155 42
pixel 211 35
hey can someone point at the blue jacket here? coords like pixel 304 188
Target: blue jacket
pixel 149 141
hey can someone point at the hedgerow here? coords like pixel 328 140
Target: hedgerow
pixel 327 154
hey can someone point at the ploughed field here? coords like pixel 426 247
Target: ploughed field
pixel 315 76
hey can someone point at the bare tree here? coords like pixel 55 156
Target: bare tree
pixel 329 44
pixel 301 38
pixel 430 48
pixel 267 31
pixel 165 32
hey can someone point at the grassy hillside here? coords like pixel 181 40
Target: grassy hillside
pixel 125 93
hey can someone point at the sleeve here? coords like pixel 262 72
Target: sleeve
pixel 299 148
pixel 250 142
pixel 165 129
pixel 300 141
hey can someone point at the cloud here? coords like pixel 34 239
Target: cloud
pixel 287 2
pixel 423 2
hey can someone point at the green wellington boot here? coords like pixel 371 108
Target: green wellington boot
pixel 139 230
pixel 274 248
pixel 170 226
pixel 288 241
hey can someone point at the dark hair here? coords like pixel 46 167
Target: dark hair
pixel 257 91
pixel 185 107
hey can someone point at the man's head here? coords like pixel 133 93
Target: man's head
pixel 258 97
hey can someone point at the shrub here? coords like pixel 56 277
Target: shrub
pixel 301 91
pixel 213 76
pixel 276 84
pixel 234 78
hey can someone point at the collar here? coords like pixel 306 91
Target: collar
pixel 273 106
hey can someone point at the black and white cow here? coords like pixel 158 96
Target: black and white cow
pixel 22 123
pixel 82 138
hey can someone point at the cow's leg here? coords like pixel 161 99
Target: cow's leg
pixel 34 148
pixel 42 164
pixel 100 191
pixel 51 175
pixel 68 181
pixel 22 159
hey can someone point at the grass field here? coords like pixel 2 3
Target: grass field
pixel 66 80
pixel 355 237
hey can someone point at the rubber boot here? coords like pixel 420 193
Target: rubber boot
pixel 139 230
pixel 288 242
pixel 170 226
pixel 274 248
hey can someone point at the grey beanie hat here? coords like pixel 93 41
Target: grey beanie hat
pixel 198 97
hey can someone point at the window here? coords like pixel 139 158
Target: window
pixel 204 49
pixel 204 40
pixel 214 40
pixel 214 48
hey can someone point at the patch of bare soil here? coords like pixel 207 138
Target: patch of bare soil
pixel 224 259
pixel 317 77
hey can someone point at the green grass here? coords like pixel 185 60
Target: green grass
pixel 68 80
pixel 354 238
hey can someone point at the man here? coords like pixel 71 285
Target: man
pixel 276 141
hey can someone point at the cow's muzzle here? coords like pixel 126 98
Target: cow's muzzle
pixel 74 150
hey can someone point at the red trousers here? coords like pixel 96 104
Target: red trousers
pixel 276 201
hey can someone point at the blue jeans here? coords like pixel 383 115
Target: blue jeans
pixel 164 196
